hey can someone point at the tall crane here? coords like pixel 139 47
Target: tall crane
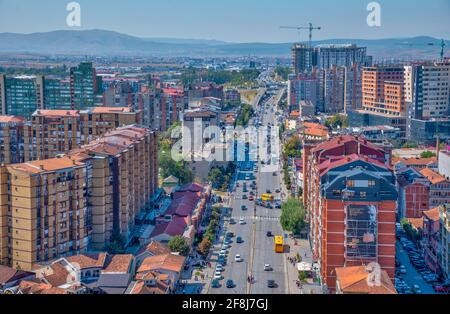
pixel 443 45
pixel 310 28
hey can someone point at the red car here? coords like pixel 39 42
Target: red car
pixel 441 289
pixel 251 198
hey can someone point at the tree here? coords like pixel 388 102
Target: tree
pixel 293 216
pixel 427 154
pixel 178 244
pixel 204 246
pixel 293 148
pixel 116 244
pixel 337 121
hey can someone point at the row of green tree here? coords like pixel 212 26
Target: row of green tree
pixel 210 234
pixel 246 112
pixel 221 177
pixel 293 216
pixel 168 166
pixel 235 78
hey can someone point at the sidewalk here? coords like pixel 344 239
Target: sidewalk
pixel 303 248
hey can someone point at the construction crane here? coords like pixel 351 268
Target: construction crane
pixel 310 28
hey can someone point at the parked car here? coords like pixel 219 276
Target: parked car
pixel 215 284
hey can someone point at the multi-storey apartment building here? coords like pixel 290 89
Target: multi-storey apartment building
pixel 57 93
pixel 21 95
pixel 85 86
pixel 43 211
pixel 351 201
pixel 173 103
pixel 54 132
pixel 383 90
pixel 303 87
pixel 430 104
pixel 439 188
pixel 328 56
pixel 11 139
pixel 123 176
pixel 431 91
pixel 444 255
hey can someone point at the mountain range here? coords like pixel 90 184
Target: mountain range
pixel 108 43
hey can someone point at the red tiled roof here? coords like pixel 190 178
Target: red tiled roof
pixel 11 119
pixel 338 161
pixel 119 263
pixel 155 248
pixel 169 262
pixel 88 260
pixel 46 165
pixel 173 228
pixel 433 177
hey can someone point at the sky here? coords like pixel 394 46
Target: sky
pixel 233 20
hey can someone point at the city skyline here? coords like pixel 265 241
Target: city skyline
pixel 398 19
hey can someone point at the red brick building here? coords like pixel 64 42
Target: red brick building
pixel 351 203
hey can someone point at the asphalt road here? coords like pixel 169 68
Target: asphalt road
pixel 257 249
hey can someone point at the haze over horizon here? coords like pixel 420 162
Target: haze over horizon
pixel 233 20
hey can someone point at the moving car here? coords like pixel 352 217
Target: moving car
pixel 238 258
pixel 242 221
pixel 243 207
pixel 251 198
pixel 230 284
pixel 271 284
pixel 269 234
pixel 267 267
pixel 239 240
pixel 232 221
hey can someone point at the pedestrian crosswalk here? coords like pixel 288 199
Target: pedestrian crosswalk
pixel 256 218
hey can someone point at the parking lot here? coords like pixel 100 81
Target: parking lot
pixel 412 275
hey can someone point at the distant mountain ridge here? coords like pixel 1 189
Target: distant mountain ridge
pixel 109 43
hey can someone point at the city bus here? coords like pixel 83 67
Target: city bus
pixel 267 197
pixel 279 244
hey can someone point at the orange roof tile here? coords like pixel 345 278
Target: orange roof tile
pixel 295 114
pixel 310 125
pixel 432 214
pixel 167 262
pixel 47 165
pixel 316 132
pixel 119 263
pixel 11 119
pixel 415 161
pixel 433 177
pixel 88 260
pixel 111 110
pixel 355 280
pixel 416 222
pixel 57 113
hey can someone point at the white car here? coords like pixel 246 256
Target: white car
pixel 242 221
pixel 218 276
pixel 267 267
pixel 223 252
pixel 219 268
pixel 238 258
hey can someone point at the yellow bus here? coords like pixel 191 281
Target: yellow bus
pixel 267 197
pixel 279 244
